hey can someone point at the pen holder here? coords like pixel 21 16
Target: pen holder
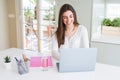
pixel 23 67
pixel 27 64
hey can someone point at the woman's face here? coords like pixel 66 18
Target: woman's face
pixel 68 18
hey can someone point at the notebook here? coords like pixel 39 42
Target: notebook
pixel 35 61
pixel 77 59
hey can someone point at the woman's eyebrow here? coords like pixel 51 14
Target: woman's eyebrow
pixel 71 15
pixel 68 15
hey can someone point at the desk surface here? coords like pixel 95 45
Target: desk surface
pixel 102 71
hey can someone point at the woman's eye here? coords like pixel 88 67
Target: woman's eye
pixel 64 17
pixel 71 16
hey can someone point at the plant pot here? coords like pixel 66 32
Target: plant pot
pixel 7 65
pixel 110 31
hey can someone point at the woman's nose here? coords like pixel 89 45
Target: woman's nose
pixel 68 20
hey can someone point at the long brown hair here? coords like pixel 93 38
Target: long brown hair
pixel 60 33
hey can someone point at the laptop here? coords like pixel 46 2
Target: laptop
pixel 77 59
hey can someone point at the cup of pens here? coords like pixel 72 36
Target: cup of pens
pixel 26 61
pixel 23 65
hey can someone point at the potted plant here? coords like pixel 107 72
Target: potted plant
pixel 7 61
pixel 106 22
pixel 111 27
pixel 116 22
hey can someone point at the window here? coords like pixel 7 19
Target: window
pixel 112 10
pixel 102 10
pixel 37 15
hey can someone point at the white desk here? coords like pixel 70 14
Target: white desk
pixel 102 72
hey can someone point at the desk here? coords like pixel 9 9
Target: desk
pixel 102 71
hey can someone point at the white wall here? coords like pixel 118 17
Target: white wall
pixel 108 53
pixel 4 28
pixel 113 1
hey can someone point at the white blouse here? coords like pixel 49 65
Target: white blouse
pixel 78 40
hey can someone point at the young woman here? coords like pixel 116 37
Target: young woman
pixel 69 33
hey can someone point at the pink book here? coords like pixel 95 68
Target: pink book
pixel 35 61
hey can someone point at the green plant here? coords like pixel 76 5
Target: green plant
pixel 28 13
pixel 7 59
pixel 106 22
pixel 116 22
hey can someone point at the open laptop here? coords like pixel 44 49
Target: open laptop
pixel 77 59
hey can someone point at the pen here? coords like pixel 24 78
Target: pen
pixel 16 59
pixel 25 58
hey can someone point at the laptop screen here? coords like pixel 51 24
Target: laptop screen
pixel 77 59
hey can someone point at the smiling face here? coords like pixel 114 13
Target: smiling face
pixel 68 18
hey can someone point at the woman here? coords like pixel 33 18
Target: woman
pixel 69 33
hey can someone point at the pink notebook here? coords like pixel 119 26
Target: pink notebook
pixel 35 61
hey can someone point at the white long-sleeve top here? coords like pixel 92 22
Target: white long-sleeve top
pixel 78 40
